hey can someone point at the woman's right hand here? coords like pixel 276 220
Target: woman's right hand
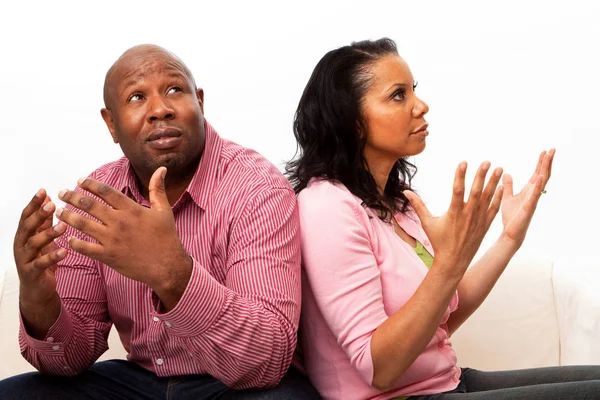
pixel 457 234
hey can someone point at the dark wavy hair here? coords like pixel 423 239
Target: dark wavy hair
pixel 329 127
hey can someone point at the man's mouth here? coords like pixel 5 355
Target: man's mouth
pixel 164 138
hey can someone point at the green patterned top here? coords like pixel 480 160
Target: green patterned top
pixel 428 260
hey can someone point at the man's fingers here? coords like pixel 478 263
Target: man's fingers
pixel 418 205
pixel 85 203
pixel 458 187
pixel 35 221
pixel 92 250
pixel 111 196
pixel 34 204
pixel 38 242
pixel 48 260
pixel 157 193
pixel 83 224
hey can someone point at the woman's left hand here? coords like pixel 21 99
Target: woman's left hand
pixel 517 210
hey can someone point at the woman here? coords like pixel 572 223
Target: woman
pixel 382 277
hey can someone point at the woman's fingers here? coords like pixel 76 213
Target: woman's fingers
pixel 494 207
pixel 507 183
pixel 477 189
pixel 419 207
pixel 546 169
pixel 458 188
pixel 490 188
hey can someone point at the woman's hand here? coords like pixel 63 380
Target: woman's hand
pixel 457 234
pixel 518 210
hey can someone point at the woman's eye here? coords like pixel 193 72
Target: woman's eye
pixel 399 95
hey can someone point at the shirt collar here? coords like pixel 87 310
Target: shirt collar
pixel 204 180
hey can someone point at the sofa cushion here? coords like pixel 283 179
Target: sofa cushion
pixel 516 326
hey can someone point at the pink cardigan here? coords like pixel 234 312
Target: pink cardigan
pixel 356 273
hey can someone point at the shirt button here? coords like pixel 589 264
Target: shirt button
pixel 441 345
pixel 55 347
pixel 65 367
pixel 50 339
pixel 168 324
pixel 159 361
pixel 155 319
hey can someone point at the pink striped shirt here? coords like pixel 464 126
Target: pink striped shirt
pixel 238 317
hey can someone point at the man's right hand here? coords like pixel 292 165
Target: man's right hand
pixel 36 254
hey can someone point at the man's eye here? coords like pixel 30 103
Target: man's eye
pixel 135 97
pixel 174 89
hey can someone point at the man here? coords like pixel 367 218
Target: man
pixel 189 245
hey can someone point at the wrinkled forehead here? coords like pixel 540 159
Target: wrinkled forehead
pixel 144 68
pixel 138 66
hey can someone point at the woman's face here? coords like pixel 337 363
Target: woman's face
pixel 393 115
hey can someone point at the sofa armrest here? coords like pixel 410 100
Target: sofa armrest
pixel 12 361
pixel 516 326
pixel 578 309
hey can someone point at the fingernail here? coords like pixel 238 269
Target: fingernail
pixel 80 181
pixel 47 207
pixel 62 193
pixel 58 227
pixel 62 253
pixel 39 193
pixel 164 173
pixel 59 211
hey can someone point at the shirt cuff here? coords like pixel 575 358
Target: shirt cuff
pixel 201 304
pixel 58 336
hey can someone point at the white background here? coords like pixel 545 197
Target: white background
pixel 504 80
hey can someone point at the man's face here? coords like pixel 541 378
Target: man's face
pixel 155 113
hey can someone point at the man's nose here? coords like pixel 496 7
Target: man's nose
pixel 160 109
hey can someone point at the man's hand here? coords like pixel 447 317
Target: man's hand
pixel 35 252
pixel 36 256
pixel 138 242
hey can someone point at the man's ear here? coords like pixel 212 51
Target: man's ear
pixel 110 123
pixel 200 96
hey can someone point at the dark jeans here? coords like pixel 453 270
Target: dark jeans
pixel 564 383
pixel 119 379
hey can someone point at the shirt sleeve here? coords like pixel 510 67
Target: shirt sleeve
pixel 79 335
pixel 244 333
pixel 342 270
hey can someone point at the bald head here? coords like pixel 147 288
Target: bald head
pixel 131 59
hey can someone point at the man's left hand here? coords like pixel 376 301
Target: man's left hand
pixel 138 242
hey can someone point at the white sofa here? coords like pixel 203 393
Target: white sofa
pixel 537 315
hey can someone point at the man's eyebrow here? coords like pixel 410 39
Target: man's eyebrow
pixel 170 74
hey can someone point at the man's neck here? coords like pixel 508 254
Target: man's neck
pixel 176 183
